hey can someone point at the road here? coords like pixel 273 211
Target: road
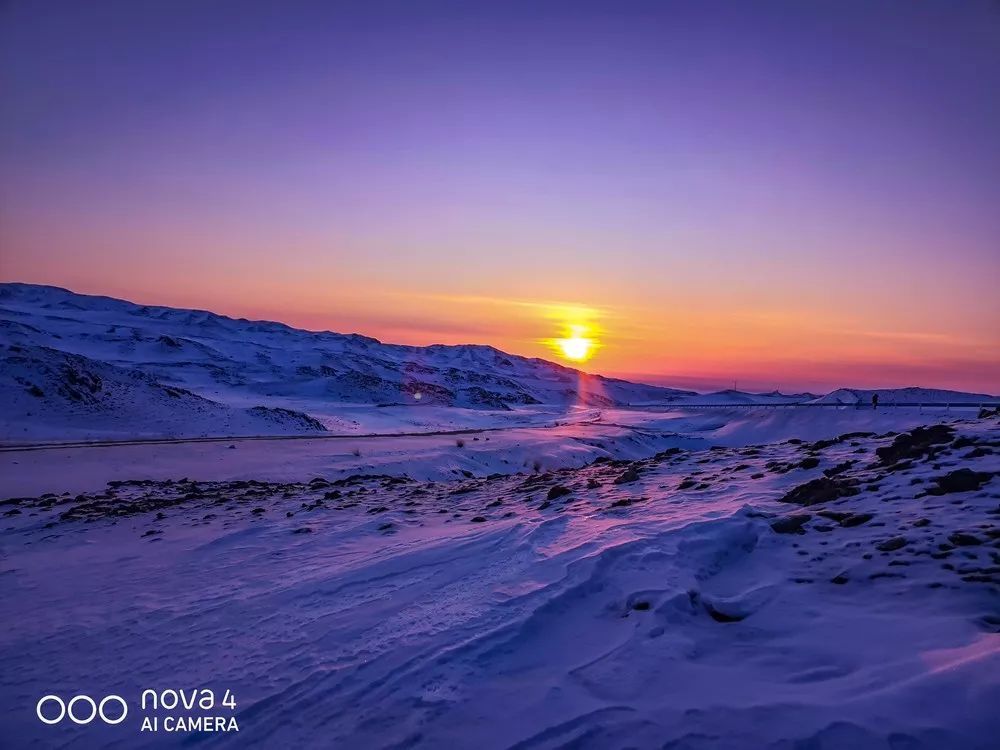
pixel 588 417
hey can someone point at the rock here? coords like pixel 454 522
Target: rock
pixel 640 606
pixel 962 539
pixel 960 480
pixel 979 578
pixel 811 462
pixel 915 444
pixel 667 453
pixel 852 435
pixel 978 452
pixel 921 522
pixel 791 524
pixel 557 491
pixel 624 502
pixel 840 579
pixel 856 519
pixel 838 469
pixel 477 519
pixel 822 490
pixel 891 545
pixel 629 475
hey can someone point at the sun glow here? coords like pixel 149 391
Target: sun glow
pixel 577 346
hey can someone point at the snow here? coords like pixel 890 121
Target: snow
pixel 902 396
pixel 658 611
pixel 431 457
pixel 47 335
pixel 78 367
pixel 587 562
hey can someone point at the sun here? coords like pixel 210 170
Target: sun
pixel 577 347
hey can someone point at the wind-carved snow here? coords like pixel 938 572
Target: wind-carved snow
pixel 843 592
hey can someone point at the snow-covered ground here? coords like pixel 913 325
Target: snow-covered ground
pixel 576 439
pixel 831 594
pixel 387 546
pixel 434 457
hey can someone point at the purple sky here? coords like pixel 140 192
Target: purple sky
pixel 795 193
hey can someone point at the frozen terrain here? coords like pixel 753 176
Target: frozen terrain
pixel 822 594
pixel 384 546
pixel 79 367
pixel 70 362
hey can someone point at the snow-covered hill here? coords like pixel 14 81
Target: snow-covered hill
pixel 198 367
pixel 46 386
pixel 80 366
pixel 902 396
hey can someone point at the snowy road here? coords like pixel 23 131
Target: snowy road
pixel 438 456
pixel 580 417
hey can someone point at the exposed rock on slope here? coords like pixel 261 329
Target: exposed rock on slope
pixel 40 386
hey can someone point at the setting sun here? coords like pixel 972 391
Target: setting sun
pixel 577 347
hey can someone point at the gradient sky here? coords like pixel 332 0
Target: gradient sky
pixel 794 194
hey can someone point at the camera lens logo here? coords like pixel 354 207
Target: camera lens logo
pixel 81 709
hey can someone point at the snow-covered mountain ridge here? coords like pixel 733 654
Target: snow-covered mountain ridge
pixel 198 368
pixel 75 364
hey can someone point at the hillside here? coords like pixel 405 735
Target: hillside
pixel 195 372
pixel 81 366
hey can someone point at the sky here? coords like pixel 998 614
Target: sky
pixel 773 194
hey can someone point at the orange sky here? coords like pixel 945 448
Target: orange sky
pixel 799 197
pixel 688 337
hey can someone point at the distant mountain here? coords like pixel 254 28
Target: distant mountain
pixel 731 396
pixel 901 396
pixel 87 355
